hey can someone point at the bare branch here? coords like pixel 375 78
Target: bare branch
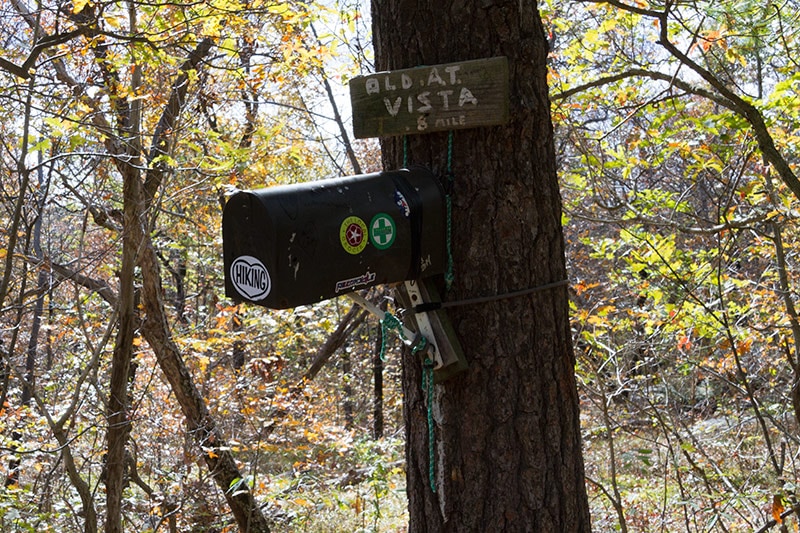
pixel 725 96
pixel 354 318
pixel 165 130
pixel 644 73
pixel 351 155
pixel 640 218
pixel 626 7
pixel 42 44
pixel 102 288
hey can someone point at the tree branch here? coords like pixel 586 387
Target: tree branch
pixel 772 523
pixel 102 288
pixel 741 106
pixel 165 130
pixel 626 7
pixel 644 73
pixel 354 318
pixel 24 70
pixel 725 96
pixel 351 155
pixel 639 218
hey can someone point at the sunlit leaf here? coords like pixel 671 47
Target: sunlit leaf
pixel 777 508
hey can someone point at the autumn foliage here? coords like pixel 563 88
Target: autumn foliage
pixel 676 133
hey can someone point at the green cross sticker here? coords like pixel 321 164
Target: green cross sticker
pixel 382 231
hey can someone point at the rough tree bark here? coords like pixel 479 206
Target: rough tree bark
pixel 507 434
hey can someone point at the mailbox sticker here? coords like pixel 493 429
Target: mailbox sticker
pixel 352 283
pixel 353 235
pixel 402 203
pixel 382 231
pixel 250 277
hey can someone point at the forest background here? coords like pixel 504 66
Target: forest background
pixel 676 133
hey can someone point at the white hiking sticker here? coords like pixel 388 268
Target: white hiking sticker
pixel 250 277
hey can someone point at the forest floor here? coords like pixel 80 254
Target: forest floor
pixel 689 472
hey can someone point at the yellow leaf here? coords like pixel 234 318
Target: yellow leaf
pixel 78 5
pixel 212 27
pixel 279 9
pixel 592 36
pixel 113 21
pixel 605 310
pixel 595 320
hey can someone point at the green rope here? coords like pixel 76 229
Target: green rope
pixel 427 387
pixel 389 321
pixel 423 342
pixel 449 275
pixel 450 152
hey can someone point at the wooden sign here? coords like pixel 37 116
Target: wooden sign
pixel 467 94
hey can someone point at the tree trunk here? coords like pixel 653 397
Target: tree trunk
pixel 347 390
pixel 201 425
pixel 155 327
pixel 33 340
pixel 119 424
pixel 507 432
pixel 5 373
pixel 377 388
pixel 42 281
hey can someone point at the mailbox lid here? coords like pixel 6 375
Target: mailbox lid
pixel 298 244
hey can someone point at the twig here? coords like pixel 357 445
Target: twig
pixel 772 523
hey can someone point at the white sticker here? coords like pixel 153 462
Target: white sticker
pixel 347 284
pixel 250 277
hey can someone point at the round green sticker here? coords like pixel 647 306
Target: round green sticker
pixel 353 235
pixel 382 231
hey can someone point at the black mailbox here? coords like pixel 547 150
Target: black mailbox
pixel 293 245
